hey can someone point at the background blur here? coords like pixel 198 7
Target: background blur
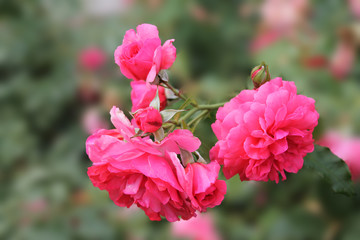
pixel 58 81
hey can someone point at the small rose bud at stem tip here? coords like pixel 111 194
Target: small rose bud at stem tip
pixel 260 75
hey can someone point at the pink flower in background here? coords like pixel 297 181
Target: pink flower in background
pixel 140 171
pixel 263 40
pixel 148 119
pixel 315 61
pixel 92 121
pixel 141 56
pixel 283 15
pixel 202 185
pixel 354 6
pixel 346 148
pixel 264 132
pixel 201 227
pixel 343 59
pixel 142 94
pixel 92 58
pixel 279 18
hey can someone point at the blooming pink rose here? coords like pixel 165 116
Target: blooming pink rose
pixel 346 148
pixel 92 58
pixel 141 56
pixel 136 170
pixel 264 132
pixel 142 94
pixel 201 227
pixel 203 186
pixel 148 119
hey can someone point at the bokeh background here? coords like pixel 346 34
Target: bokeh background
pixel 58 81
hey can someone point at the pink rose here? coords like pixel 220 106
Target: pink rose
pixel 203 186
pixel 201 227
pixel 92 58
pixel 142 94
pixel 148 119
pixel 141 56
pixel 346 148
pixel 264 132
pixel 136 170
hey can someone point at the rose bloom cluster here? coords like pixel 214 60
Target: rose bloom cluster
pixel 140 58
pixel 262 133
pixel 135 169
pixel 138 170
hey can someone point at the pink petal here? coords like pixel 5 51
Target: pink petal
pixel 121 122
pixel 168 54
pixel 147 31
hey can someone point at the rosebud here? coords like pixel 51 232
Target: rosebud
pixel 260 75
pixel 148 119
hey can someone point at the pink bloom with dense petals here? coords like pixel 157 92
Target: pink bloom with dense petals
pixel 92 58
pixel 148 119
pixel 142 94
pixel 203 186
pixel 141 56
pixel 136 170
pixel 201 227
pixel 346 148
pixel 264 132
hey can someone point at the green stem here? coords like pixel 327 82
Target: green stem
pixel 201 115
pixel 182 96
pixel 211 106
pixel 205 109
pixel 170 130
pixel 174 90
pixel 178 93
pixel 188 114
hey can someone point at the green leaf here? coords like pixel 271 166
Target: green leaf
pixel 186 157
pixel 184 125
pixel 155 103
pixel 186 103
pixel 169 113
pixel 333 169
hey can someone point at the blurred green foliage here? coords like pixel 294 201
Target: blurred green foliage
pixel 44 189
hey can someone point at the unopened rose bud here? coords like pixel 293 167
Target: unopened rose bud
pixel 148 119
pixel 260 75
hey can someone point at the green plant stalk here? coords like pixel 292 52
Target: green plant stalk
pixel 211 106
pixel 206 108
pixel 187 115
pixel 200 116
